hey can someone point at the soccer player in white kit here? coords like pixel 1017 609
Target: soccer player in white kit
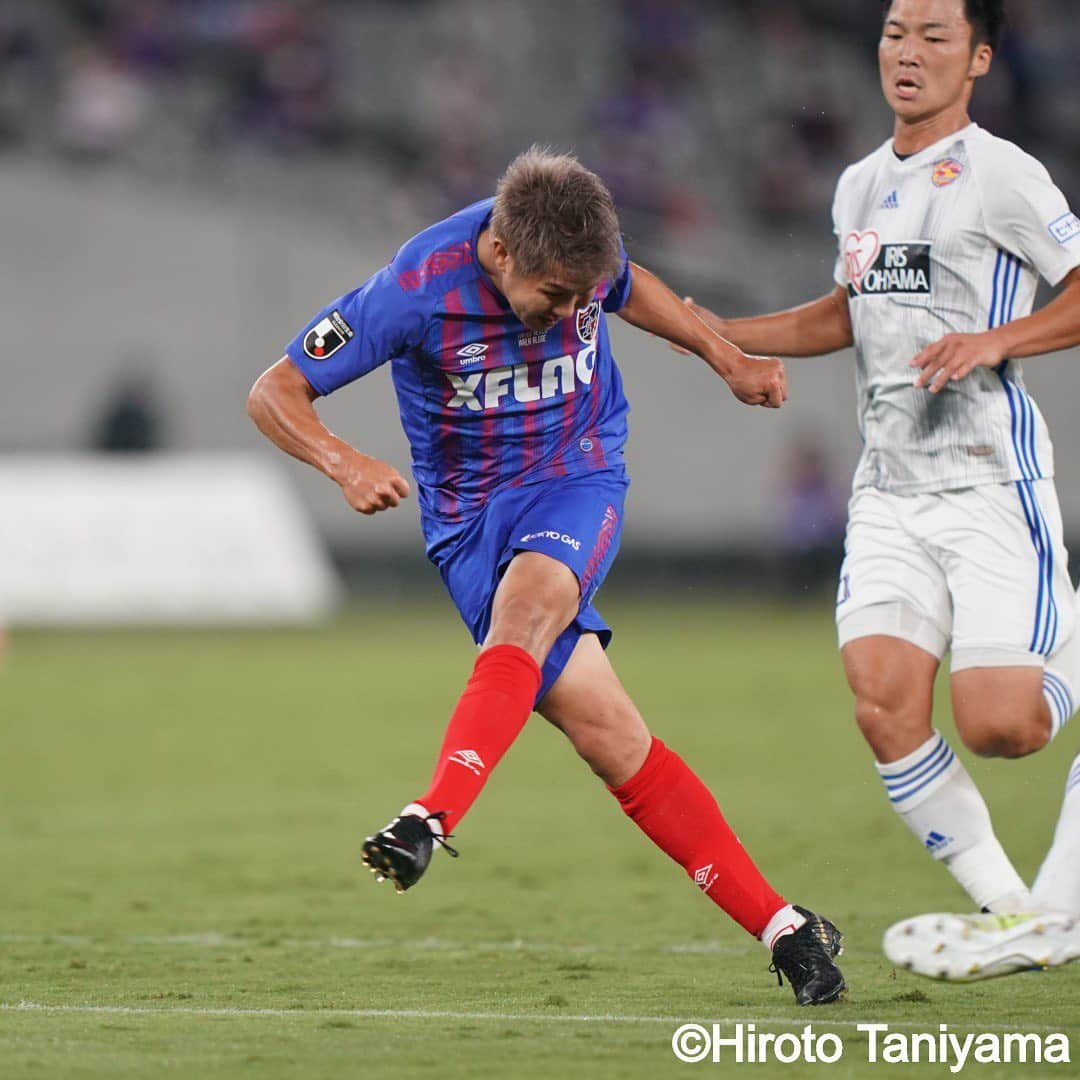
pixel 954 537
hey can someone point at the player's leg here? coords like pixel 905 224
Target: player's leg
pixel 519 574
pixel 894 620
pixel 534 602
pixel 671 805
pixel 893 682
pixel 1015 710
pixel 1061 642
pixel 1057 886
pixel 1001 711
pixel 1005 703
pixel 1016 656
pixel 590 706
pixel 926 783
pixel 964 948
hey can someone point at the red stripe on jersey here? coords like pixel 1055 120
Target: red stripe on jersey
pixel 530 452
pixel 571 343
pixel 595 456
pixel 438 262
pixel 489 465
pixel 532 441
pixel 450 442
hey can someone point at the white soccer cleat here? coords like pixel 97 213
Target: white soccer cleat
pixel 966 948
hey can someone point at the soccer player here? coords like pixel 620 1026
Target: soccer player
pixel 494 323
pixel 954 536
pixel 967 948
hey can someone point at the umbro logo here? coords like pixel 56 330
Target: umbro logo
pixel 704 877
pixel 470 759
pixel 471 353
pixel 935 841
pixel 891 202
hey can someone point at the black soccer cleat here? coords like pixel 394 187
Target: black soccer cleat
pixel 402 850
pixel 806 958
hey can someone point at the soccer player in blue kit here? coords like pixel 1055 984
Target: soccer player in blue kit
pixel 494 324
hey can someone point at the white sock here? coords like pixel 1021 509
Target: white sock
pixel 786 921
pixel 939 802
pixel 1057 887
pixel 1061 679
pixel 434 824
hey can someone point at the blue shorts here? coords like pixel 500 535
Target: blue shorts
pixel 575 519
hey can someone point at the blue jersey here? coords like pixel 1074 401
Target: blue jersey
pixel 485 401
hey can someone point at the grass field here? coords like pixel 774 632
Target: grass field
pixel 180 815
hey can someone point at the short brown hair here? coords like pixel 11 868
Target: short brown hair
pixel 553 215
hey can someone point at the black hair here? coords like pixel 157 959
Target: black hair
pixel 987 19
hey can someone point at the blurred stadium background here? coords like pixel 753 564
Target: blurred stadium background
pixel 185 183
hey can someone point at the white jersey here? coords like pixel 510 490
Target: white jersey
pixel 949 240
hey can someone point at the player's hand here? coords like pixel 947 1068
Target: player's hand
pixel 955 356
pixel 759 380
pixel 370 485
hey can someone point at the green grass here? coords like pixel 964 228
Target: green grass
pixel 179 823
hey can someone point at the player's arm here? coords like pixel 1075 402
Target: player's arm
pixel 1026 214
pixel 1054 327
pixel 282 404
pixel 654 307
pixel 813 329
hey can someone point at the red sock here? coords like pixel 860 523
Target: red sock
pixel 489 717
pixel 677 812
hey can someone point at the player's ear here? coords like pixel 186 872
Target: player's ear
pixel 980 61
pixel 499 254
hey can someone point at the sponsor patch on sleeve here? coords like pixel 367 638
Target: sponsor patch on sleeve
pixel 1065 228
pixel 327 336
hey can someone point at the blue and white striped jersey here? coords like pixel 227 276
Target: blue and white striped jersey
pixel 952 239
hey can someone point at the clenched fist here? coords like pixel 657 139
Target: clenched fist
pixel 370 485
pixel 759 381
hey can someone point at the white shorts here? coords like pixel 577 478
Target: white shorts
pixel 983 570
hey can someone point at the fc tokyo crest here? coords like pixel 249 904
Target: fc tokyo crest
pixel 327 336
pixel 588 322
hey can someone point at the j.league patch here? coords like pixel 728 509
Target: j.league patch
pixel 327 336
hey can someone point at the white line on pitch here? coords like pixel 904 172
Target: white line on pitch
pixel 214 940
pixel 436 1014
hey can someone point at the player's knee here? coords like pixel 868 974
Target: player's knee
pixel 613 746
pixel 613 760
pixel 1006 736
pixel 597 751
pixel 879 717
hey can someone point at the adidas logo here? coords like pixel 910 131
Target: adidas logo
pixel 704 877
pixel 936 841
pixel 470 759
pixel 892 202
